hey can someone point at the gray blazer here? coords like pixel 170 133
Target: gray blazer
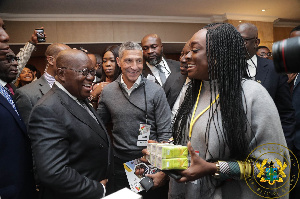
pixel 27 96
pixel 71 150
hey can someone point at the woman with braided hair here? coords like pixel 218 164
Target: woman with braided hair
pixel 223 118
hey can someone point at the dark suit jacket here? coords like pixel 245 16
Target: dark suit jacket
pixel 71 150
pixel 27 96
pixel 296 104
pixel 173 84
pixel 278 88
pixel 16 176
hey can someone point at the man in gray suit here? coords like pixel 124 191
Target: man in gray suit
pixel 27 96
pixel 70 145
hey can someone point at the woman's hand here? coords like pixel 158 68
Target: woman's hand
pixel 97 89
pixel 199 167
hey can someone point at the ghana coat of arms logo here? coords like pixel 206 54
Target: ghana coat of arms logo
pixel 268 172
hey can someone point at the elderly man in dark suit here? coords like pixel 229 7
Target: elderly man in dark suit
pixel 27 96
pixel 16 176
pixel 70 145
pixel 165 72
pixel 262 70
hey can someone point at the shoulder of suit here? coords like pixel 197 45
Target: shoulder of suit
pixel 111 87
pixel 172 61
pixel 29 87
pixel 151 85
pixel 265 61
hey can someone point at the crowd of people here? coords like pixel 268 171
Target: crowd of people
pixel 67 133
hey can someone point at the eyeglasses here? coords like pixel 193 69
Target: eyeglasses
pixel 263 54
pixel 248 39
pixel 84 72
pixel 11 58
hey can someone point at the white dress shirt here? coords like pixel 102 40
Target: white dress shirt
pixel 252 64
pixel 135 85
pixel 180 98
pixel 165 68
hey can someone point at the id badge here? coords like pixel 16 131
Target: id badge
pixel 144 134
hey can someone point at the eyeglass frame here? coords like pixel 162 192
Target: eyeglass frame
pixel 82 71
pixel 249 39
pixel 269 54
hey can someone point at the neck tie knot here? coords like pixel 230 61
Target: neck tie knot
pixel 10 88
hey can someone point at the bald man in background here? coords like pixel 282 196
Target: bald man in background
pixel 27 96
pixel 165 72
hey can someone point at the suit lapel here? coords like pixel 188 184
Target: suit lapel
pixel 261 71
pixel 98 119
pixel 79 112
pixel 44 86
pixel 8 106
pixel 147 71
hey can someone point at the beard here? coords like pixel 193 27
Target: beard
pixel 155 61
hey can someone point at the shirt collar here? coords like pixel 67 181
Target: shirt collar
pixel 136 83
pixel 3 83
pixel 253 61
pixel 65 90
pixel 188 80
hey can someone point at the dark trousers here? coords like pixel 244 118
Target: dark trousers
pixel 120 182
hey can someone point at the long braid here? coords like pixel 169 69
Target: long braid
pixel 228 71
pixel 179 122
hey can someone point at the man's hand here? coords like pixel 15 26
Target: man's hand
pixel 199 167
pixel 33 38
pixel 159 179
pixel 291 77
pixel 104 182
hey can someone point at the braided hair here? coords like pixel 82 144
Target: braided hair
pixel 226 58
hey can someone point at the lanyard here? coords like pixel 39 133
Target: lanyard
pixel 200 114
pixel 145 111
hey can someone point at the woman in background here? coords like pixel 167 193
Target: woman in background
pixel 110 72
pixel 25 77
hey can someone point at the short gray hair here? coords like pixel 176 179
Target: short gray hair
pixel 129 45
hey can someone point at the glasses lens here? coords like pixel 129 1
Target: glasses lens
pixel 85 72
pixel 93 72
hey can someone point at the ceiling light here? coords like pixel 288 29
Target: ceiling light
pixel 240 21
pixel 263 10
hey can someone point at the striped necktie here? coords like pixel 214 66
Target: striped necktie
pixel 83 104
pixel 161 73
